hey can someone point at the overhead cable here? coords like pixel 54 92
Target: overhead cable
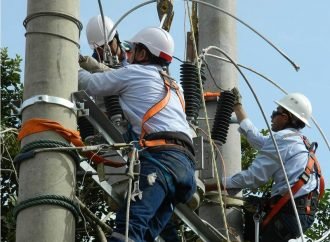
pixel 106 46
pixel 128 12
pixel 276 85
pixel 248 26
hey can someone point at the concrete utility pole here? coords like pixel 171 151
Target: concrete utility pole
pixel 51 68
pixel 218 29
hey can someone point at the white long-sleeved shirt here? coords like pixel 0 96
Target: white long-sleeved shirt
pixel 139 87
pixel 267 164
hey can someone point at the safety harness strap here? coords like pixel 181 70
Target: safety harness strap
pixel 171 82
pixel 312 149
pixel 156 108
pixel 312 165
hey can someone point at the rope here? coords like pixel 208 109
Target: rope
pixel 57 14
pixel 52 14
pixel 37 125
pixel 209 129
pixel 55 200
pixel 28 151
pixel 134 157
pixel 56 35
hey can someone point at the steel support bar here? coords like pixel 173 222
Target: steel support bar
pixel 190 218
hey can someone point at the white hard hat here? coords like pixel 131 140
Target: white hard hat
pixel 95 31
pixel 158 41
pixel 298 105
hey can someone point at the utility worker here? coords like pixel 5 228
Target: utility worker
pixel 100 43
pixel 102 39
pixel 153 104
pixel 288 119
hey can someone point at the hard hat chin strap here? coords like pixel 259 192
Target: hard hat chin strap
pixel 294 122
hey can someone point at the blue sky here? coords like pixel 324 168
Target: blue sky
pixel 300 28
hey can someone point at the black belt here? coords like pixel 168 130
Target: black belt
pixel 175 140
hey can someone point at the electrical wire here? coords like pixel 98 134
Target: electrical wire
pixel 106 46
pixel 212 77
pixel 279 87
pixel 128 12
pixel 129 193
pixel 199 65
pixel 85 174
pixel 177 58
pixel 248 26
pixel 268 126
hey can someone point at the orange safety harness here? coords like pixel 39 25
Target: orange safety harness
pixel 311 167
pixel 37 125
pixel 169 84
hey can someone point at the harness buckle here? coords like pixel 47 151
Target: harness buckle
pixel 305 177
pixel 171 84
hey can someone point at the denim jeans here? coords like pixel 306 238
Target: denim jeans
pixel 285 227
pixel 175 183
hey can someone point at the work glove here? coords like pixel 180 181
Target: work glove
pixel 90 64
pixel 237 95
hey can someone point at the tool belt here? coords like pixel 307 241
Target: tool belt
pixel 170 140
pixel 306 204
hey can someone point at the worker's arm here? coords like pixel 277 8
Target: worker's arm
pixel 103 83
pixel 90 64
pixel 259 172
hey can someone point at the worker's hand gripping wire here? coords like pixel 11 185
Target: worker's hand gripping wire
pixel 237 95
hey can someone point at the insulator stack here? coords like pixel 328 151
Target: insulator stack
pixel 191 90
pixel 222 117
pixel 113 108
pixel 85 127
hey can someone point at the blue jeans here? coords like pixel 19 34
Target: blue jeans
pixel 175 183
pixel 285 227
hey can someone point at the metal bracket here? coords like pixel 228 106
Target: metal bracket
pixel 97 118
pixel 208 171
pixel 81 110
pixel 198 143
pixel 47 99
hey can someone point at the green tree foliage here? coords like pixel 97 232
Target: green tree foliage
pixel 248 155
pixel 11 89
pixel 322 222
